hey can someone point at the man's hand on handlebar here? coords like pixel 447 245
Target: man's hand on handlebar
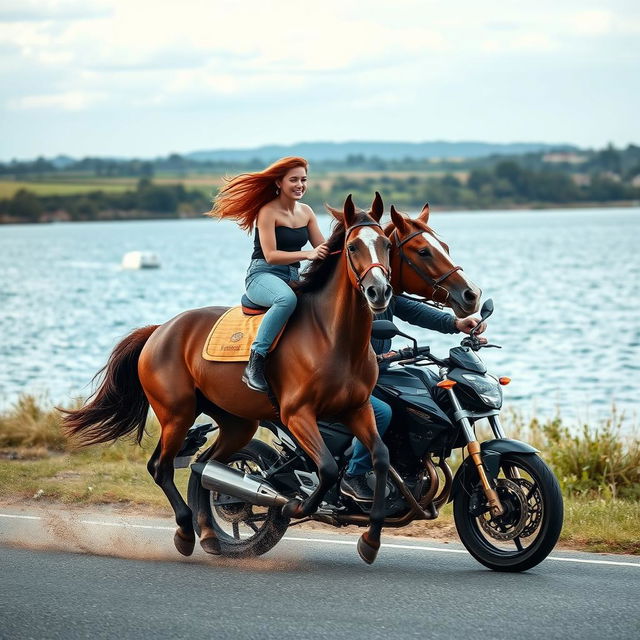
pixel 465 325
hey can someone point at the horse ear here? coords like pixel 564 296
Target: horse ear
pixel 377 208
pixel 424 214
pixel 349 211
pixel 398 220
pixel 338 215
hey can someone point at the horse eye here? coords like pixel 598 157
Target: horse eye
pixel 352 248
pixel 425 253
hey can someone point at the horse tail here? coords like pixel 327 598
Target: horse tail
pixel 119 405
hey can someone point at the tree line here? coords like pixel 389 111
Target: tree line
pixel 507 184
pixel 625 163
pixel 148 200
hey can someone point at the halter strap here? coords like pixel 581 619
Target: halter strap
pixel 435 283
pixel 360 276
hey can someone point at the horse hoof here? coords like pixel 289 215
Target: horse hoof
pixel 211 545
pixel 366 550
pixel 184 544
pixel 293 509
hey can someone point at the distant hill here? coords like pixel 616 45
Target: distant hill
pixel 322 151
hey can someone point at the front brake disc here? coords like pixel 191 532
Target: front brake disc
pixel 513 522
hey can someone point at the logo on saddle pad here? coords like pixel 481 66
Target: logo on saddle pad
pixel 236 337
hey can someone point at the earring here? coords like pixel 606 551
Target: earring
pixel 277 191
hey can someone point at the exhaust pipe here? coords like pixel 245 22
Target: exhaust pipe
pixel 231 482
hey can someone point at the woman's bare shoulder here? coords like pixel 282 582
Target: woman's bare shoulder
pixel 307 210
pixel 267 213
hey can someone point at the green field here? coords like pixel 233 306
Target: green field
pixel 206 183
pixel 63 188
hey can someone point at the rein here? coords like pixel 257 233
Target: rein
pixel 436 284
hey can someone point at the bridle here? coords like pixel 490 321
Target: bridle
pixel 361 276
pixel 435 283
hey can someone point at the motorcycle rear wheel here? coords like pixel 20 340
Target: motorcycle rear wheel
pixel 528 532
pixel 243 530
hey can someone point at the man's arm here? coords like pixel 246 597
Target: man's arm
pixel 422 315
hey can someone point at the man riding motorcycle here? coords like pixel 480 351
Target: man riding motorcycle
pixel 358 480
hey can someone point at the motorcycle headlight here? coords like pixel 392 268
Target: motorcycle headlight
pixel 492 400
pixel 487 388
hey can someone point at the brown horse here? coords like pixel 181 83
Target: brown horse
pixel 421 265
pixel 323 366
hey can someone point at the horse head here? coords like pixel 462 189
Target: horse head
pixel 421 265
pixel 366 248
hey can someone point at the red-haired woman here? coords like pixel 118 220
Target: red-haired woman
pixel 270 201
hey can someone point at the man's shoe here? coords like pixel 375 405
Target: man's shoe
pixel 253 375
pixel 357 487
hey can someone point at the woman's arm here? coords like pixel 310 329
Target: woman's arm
pixel 315 235
pixel 267 230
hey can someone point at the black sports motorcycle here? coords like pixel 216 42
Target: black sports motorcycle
pixel 507 504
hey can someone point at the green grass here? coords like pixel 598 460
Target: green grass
pixel 595 466
pixel 9 187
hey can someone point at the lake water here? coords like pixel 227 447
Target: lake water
pixel 566 288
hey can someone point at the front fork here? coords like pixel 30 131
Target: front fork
pixel 473 447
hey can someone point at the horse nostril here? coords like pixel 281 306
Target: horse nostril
pixel 371 293
pixel 469 295
pixel 387 292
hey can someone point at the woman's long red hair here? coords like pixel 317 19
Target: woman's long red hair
pixel 243 196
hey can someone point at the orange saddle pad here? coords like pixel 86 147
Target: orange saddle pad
pixel 231 337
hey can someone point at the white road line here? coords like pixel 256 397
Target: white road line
pixel 413 547
pixel 384 544
pixel 126 525
pixel 440 550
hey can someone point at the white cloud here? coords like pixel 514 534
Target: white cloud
pixel 68 101
pixel 592 22
pixel 45 10
pixel 157 57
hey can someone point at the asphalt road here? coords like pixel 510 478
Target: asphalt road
pixel 84 575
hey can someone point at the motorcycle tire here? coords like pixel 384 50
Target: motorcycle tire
pixel 243 530
pixel 528 531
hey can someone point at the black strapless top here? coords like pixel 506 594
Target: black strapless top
pixel 287 239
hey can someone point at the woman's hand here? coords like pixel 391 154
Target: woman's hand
pixel 319 253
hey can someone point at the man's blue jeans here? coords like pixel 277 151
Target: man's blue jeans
pixel 361 458
pixel 267 285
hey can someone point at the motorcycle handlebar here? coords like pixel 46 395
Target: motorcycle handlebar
pixel 408 353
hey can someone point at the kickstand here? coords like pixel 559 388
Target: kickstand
pixel 301 521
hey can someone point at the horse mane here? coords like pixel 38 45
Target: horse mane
pixel 319 272
pixel 389 228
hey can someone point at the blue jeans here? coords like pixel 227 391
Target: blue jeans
pixel 267 286
pixel 361 458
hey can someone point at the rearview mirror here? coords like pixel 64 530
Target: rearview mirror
pixel 487 309
pixel 384 330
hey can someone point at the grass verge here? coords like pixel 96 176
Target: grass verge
pixel 594 465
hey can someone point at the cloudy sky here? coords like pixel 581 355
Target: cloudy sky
pixel 142 77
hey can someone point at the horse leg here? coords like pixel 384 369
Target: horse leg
pixel 175 423
pixel 234 434
pixel 362 423
pixel 304 428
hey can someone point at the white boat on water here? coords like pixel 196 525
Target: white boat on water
pixel 140 260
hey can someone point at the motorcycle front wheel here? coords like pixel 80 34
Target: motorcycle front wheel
pixel 526 534
pixel 243 530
